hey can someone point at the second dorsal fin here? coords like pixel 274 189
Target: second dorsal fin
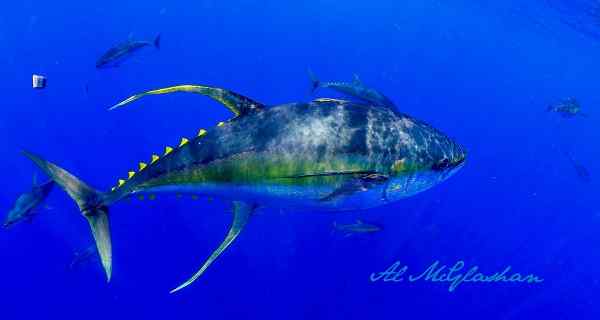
pixel 235 102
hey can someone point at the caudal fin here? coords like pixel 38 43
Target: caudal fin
pixel 157 41
pixel 314 82
pixel 91 204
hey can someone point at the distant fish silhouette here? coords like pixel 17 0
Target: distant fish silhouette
pixel 356 228
pixel 119 53
pixel 582 172
pixel 24 208
pixel 83 256
pixel 354 89
pixel 567 108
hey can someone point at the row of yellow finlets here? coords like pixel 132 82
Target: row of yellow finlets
pixel 155 158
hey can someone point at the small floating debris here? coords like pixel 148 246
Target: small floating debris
pixel 38 81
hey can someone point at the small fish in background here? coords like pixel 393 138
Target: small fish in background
pixel 119 53
pixel 25 206
pixel 84 256
pixel 38 81
pixel 567 108
pixel 354 89
pixel 359 227
pixel 582 172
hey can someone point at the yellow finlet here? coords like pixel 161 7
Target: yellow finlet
pixel 113 189
pixel 202 133
pixel 121 182
pixel 183 142
pixel 152 197
pixel 130 174
pixel 220 124
pixel 141 197
pixel 168 150
pixel 142 166
pixel 154 158
pixel 194 197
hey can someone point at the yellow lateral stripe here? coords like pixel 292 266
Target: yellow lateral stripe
pixel 183 142
pixel 154 158
pixel 168 150
pixel 130 174
pixel 142 166
pixel 121 182
pixel 202 133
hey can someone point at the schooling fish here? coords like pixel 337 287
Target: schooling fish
pixel 24 208
pixel 568 108
pixel 354 89
pixel 326 155
pixel 358 227
pixel 119 53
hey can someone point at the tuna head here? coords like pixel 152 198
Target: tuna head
pixel 423 157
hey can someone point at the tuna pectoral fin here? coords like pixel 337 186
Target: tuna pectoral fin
pixel 235 102
pixel 241 213
pixel 355 185
pixel 90 202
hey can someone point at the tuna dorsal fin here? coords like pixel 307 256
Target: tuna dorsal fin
pixel 241 213
pixel 235 102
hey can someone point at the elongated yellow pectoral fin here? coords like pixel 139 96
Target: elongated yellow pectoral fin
pixel 241 213
pixel 235 102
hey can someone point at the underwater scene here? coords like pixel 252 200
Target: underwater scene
pixel 300 159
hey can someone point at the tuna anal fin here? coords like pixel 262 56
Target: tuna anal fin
pixel 235 102
pixel 241 213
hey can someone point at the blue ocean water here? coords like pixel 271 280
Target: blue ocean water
pixel 483 72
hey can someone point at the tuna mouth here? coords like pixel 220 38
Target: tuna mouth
pixel 447 164
pixel 458 162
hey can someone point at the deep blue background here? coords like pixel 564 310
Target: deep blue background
pixel 483 72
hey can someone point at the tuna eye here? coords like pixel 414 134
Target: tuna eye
pixel 441 165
